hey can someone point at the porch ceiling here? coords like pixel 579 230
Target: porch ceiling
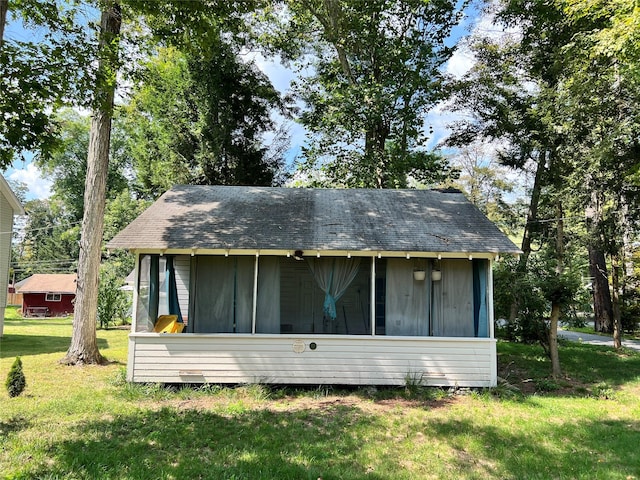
pixel 268 219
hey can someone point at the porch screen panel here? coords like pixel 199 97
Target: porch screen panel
pixel 143 319
pixel 224 295
pixel 243 293
pixel 406 311
pixel 456 310
pixel 333 276
pixel 480 314
pixel 268 311
pixel 213 305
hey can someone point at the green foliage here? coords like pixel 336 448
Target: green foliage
pixel 16 381
pixel 511 284
pixel 376 73
pixel 67 167
pixel 533 290
pixel 199 118
pixel 50 240
pixel 630 311
pixel 42 69
pixel 114 304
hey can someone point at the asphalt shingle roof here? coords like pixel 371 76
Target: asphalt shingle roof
pixel 49 283
pixel 266 218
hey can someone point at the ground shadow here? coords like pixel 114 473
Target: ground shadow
pixel 333 443
pixel 172 443
pixel 584 367
pixel 554 449
pixel 25 345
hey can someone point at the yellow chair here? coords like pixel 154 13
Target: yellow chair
pixel 168 324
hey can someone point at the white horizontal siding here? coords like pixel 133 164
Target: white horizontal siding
pixel 182 266
pixel 349 360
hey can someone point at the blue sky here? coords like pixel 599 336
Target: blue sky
pixel 25 171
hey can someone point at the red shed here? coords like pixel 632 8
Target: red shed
pixel 48 294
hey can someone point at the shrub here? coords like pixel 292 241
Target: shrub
pixel 16 381
pixel 113 303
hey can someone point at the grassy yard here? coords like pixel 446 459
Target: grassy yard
pixel 88 423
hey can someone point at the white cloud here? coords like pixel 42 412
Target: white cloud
pixel 31 176
pixel 460 62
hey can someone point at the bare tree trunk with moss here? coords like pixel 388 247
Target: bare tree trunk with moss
pixel 84 345
pixel 556 305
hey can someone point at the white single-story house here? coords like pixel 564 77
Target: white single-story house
pixel 313 286
pixel 9 207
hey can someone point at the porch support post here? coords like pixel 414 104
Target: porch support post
pixel 134 305
pixel 489 296
pixel 255 295
pixel 372 322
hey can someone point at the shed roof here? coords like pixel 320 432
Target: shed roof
pixel 6 191
pixel 49 283
pixel 276 219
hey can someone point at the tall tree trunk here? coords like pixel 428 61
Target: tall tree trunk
pixel 602 306
pixel 84 347
pixel 555 306
pixel 629 282
pixel 615 284
pixel 374 149
pixel 4 8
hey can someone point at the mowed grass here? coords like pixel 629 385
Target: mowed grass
pixel 88 423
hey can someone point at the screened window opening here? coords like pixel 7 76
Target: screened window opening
pixel 327 295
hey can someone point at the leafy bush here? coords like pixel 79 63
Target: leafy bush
pixel 113 303
pixel 512 285
pixel 533 290
pixel 16 381
pixel 630 311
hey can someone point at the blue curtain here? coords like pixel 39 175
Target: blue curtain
pixel 480 316
pixel 172 290
pixel 333 276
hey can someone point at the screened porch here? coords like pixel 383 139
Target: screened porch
pixel 310 295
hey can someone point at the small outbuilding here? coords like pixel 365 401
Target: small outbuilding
pixel 48 294
pixel 313 286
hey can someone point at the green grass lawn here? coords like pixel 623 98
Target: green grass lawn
pixel 88 423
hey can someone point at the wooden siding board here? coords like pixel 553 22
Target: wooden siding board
pixel 182 266
pixel 253 359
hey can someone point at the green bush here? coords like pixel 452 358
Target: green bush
pixel 630 311
pixel 113 303
pixel 511 284
pixel 16 381
pixel 534 289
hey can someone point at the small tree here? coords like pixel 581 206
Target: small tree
pixel 16 381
